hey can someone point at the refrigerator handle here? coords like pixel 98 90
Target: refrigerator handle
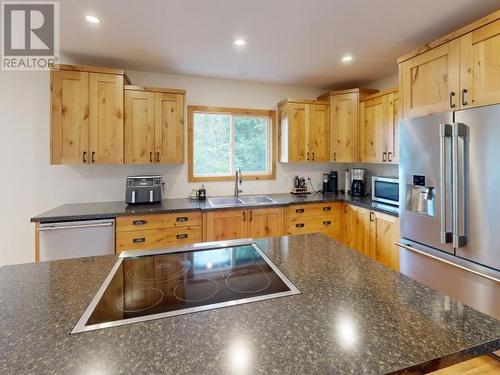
pixel 444 132
pixel 458 185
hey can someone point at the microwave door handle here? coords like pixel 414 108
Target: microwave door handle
pixel 444 132
pixel 458 184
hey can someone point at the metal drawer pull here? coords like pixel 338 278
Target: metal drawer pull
pixel 182 236
pixel 389 157
pixel 181 219
pixel 327 222
pixel 301 225
pixel 299 210
pixel 411 248
pixel 139 222
pixel 327 208
pixel 139 240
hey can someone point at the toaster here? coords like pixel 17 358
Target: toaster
pixel 143 189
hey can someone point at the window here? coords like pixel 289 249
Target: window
pixel 221 140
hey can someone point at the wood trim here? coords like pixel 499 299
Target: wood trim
pixel 302 101
pixel 37 242
pixel 453 35
pixel 154 89
pixel 241 111
pixel 90 69
pixel 346 91
pixel 379 94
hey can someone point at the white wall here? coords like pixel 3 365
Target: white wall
pixel 383 83
pixel 30 185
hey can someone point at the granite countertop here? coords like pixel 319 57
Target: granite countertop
pixel 353 316
pixel 108 210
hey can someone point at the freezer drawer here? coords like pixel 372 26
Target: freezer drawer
pixel 76 239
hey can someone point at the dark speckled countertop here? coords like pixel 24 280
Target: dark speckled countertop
pixel 108 210
pixel 354 316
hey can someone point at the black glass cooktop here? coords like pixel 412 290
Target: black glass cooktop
pixel 152 285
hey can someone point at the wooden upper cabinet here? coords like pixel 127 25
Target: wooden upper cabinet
pixel 373 129
pixel 139 126
pixel 106 118
pixel 393 118
pixel 480 66
pixel 430 81
pixel 154 125
pixel 304 131
pixel 319 133
pixel 345 132
pixel 457 71
pixel 69 117
pixel 169 127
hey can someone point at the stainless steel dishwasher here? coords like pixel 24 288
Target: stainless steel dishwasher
pixel 76 239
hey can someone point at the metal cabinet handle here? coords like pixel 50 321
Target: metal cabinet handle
pixel 244 216
pixel 327 222
pixel 307 156
pixel 327 208
pixel 139 240
pixel 452 104
pixel 158 157
pixel 84 157
pixel 251 215
pixel 299 210
pixel 182 236
pixel 139 222
pixel 93 157
pixel 151 157
pixel 464 102
pixel 384 156
pixel 312 156
pixel 334 156
pixel 181 219
pixel 300 225
pixel 372 214
pixel 389 157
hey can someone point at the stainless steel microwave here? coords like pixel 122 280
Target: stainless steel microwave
pixel 385 190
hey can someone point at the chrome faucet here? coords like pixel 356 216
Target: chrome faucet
pixel 237 180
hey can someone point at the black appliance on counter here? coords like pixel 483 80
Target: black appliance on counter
pixel 143 189
pixel 330 183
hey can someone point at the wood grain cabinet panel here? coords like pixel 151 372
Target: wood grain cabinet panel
pixel 384 232
pixel 393 118
pixel 319 133
pixel 356 228
pixel 373 126
pixel 158 221
pixel 139 127
pixel 69 117
pixel 315 218
pixel 480 66
pixel 226 225
pixel 266 222
pixel 169 127
pixel 106 118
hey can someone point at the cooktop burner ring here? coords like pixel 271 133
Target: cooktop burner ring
pixel 157 301
pixel 212 293
pixel 184 264
pixel 228 278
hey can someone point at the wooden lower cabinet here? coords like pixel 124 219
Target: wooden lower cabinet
pixel 356 228
pixel 384 232
pixel 315 218
pixel 157 238
pixel 234 224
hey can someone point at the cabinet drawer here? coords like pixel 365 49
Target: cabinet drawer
pixel 330 225
pixel 319 209
pixel 140 222
pixel 156 238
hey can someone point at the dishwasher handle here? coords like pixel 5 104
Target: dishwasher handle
pixel 78 226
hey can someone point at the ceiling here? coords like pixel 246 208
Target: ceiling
pixel 296 42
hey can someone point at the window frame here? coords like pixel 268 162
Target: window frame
pixel 271 114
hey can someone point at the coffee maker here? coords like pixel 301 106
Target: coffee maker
pixel 358 181
pixel 330 183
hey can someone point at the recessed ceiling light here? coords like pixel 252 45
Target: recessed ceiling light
pixel 347 59
pixel 92 19
pixel 240 42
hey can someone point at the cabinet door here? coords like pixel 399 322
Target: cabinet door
pixel 139 137
pixel 357 228
pixel 266 222
pixel 298 121
pixel 283 133
pixel 169 127
pixel 226 225
pixel 344 119
pixel 69 117
pixel 319 133
pixel 430 81
pixel 106 118
pixel 393 118
pixel 480 66
pixel 384 232
pixel 374 130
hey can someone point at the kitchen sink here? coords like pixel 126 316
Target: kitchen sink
pixel 257 199
pixel 225 201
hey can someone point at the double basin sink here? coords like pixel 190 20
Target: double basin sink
pixel 244 200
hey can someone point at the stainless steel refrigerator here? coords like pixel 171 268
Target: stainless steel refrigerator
pixel 449 177
pixel 450 183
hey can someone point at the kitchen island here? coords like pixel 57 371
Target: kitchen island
pixel 353 316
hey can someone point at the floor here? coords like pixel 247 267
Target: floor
pixel 485 365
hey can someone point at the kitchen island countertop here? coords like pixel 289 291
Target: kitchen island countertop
pixel 109 210
pixel 353 316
